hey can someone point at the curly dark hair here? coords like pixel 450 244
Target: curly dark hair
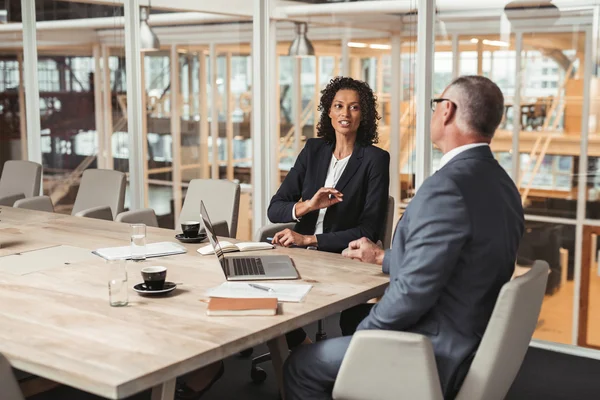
pixel 367 130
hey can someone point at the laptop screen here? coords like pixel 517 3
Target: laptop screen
pixel 212 237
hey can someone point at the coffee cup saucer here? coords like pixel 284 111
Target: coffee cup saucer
pixel 201 236
pixel 142 289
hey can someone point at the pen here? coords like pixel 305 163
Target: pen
pixel 266 289
pixel 269 239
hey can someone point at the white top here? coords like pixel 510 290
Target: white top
pixel 456 151
pixel 335 171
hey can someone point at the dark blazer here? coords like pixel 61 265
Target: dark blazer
pixel 452 251
pixel 364 183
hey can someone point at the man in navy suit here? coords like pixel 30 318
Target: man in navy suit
pixel 452 251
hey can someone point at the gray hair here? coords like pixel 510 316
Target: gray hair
pixel 481 104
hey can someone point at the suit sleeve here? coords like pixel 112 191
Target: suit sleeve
pixel 290 191
pixel 372 216
pixel 436 235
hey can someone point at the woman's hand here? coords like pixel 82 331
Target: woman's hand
pixel 325 197
pixel 288 237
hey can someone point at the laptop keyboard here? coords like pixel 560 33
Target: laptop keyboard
pixel 247 266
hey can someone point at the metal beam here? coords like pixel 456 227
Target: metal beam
pixel 214 114
pixel 345 62
pixel 107 124
pixel 516 157
pixel 424 84
pixel 98 105
pixel 317 96
pixel 145 116
pixel 480 58
pixel 297 102
pixel 203 125
pixel 582 180
pixel 32 92
pixel 135 90
pixel 22 109
pixel 264 152
pixel 455 57
pixel 228 116
pixel 176 132
pixel 395 102
pixel 230 7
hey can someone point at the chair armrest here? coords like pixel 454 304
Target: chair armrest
pixel 269 230
pixel 221 228
pixel 100 212
pixel 385 364
pixel 10 199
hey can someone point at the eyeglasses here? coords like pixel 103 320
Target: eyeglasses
pixel 433 103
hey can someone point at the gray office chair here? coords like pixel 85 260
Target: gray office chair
pixel 38 203
pixel 144 216
pixel 9 388
pixel 20 179
pixel 221 198
pixel 257 374
pixel 101 194
pixel 399 365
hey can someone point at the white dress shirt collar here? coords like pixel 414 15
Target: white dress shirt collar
pixel 456 151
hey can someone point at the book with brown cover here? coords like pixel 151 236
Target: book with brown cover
pixel 223 306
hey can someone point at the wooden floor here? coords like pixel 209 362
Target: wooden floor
pixel 556 319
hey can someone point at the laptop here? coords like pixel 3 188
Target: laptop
pixel 248 268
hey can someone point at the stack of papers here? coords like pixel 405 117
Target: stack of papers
pixel 284 292
pixel 152 250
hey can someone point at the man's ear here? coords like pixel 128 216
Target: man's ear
pixel 449 113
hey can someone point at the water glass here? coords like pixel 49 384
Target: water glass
pixel 117 283
pixel 138 242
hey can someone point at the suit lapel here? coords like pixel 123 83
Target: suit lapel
pixel 323 165
pixel 351 168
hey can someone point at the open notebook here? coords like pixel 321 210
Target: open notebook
pixel 159 249
pixel 228 247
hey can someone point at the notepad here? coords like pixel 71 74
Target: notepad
pixel 284 292
pixel 219 306
pixel 159 249
pixel 228 247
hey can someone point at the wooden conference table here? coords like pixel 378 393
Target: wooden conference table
pixel 57 323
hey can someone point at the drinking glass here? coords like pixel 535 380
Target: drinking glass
pixel 138 242
pixel 117 283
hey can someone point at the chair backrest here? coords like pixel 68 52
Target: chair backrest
pixel 506 337
pixel 221 198
pixel 38 203
pixel 21 177
pixel 386 235
pixel 144 216
pixel 271 229
pixel 101 187
pixel 9 388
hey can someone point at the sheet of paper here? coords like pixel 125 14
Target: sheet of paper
pixel 46 258
pixel 152 250
pixel 284 292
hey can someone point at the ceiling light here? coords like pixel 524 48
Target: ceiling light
pixel 498 43
pixel 148 40
pixel 357 44
pixel 301 46
pixel 380 46
pixel 474 40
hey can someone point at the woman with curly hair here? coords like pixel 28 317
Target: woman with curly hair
pixel 337 190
